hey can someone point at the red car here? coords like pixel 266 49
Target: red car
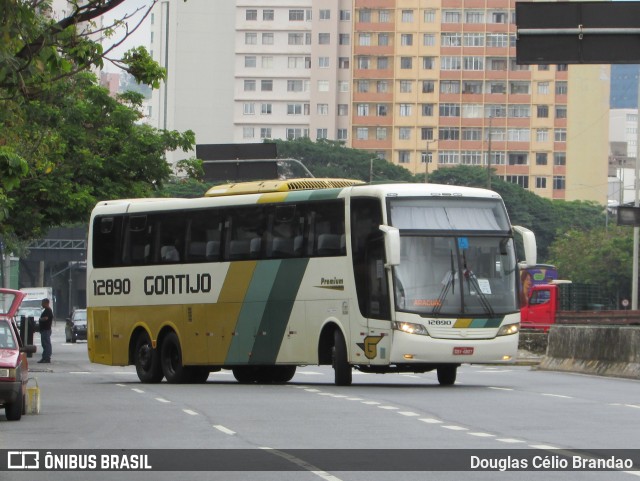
pixel 14 368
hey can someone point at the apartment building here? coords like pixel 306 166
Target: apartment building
pixel 435 83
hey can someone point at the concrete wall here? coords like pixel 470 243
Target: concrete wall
pixel 606 350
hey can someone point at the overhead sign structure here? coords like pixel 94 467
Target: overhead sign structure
pixel 578 32
pixel 628 215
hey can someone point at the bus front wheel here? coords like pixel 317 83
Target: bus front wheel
pixel 171 360
pixel 147 361
pixel 341 367
pixel 447 375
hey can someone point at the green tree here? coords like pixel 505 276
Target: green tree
pixel 330 158
pixel 597 256
pixel 82 146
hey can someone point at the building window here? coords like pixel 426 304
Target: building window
pixel 542 135
pixel 542 111
pixel 362 110
pixel 267 62
pixel 345 15
pixel 404 157
pixel 496 40
pixel 541 158
pixel 450 87
pixel 383 63
pixel 429 15
pixel 249 85
pixel 323 109
pixel 474 16
pixel 473 39
pixel 325 14
pixel 496 64
pixel 323 62
pixel 429 39
pixel 424 156
pixel 449 110
pixel 561 88
pixel 449 133
pixel 266 85
pixel 426 133
pixel 250 38
pixel 295 86
pixel 519 88
pixel 343 109
pixel 561 111
pixel 406 86
pixel 362 133
pixel 296 39
pixel 472 87
pixel 559 158
pixel 364 39
pixel 406 39
pixel 497 111
pixel 428 86
pixel 407 16
pixel 267 38
pixel 294 109
pixel 343 62
pixel 427 110
pixel 382 86
pixel 406 62
pixel 518 158
pixel 450 63
pixel 381 133
pixel 448 157
pixel 471 133
pixel 296 15
pixel 344 39
pixel 267 15
pixel 473 63
pixel 405 110
pixel 363 62
pixel 323 85
pixel 541 182
pixel 559 182
pixel 249 109
pixel 562 67
pixel 343 85
pixel 321 134
pixel 251 15
pixel 404 133
pixel 497 87
pixel 364 15
pixel 519 111
pixel 451 16
pixel 265 133
pixel 521 180
pixel 428 63
pixel 543 88
pixel 383 39
pixel 472 111
pixel 471 157
pixel 384 16
pixel 342 134
pixel 250 61
pixel 324 38
pixel 247 133
pixel 498 17
pixel 266 109
pixel 560 135
pixel 296 133
pixel 451 39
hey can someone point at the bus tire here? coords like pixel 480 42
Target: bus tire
pixel 198 374
pixel 171 360
pixel 147 361
pixel 245 374
pixel 13 411
pixel 447 374
pixel 341 367
pixel 282 374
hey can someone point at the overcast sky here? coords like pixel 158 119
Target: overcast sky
pixel 140 37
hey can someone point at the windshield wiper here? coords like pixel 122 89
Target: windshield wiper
pixel 473 282
pixel 450 283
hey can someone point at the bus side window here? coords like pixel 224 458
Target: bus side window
pixel 245 229
pixel 328 230
pixel 203 236
pixel 139 235
pixel 107 241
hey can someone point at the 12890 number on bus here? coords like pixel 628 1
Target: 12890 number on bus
pixel 111 287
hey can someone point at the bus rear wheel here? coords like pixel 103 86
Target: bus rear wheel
pixel 341 367
pixel 447 375
pixel 281 374
pixel 246 374
pixel 171 360
pixel 197 374
pixel 147 361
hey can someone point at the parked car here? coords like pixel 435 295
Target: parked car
pixel 14 367
pixel 76 327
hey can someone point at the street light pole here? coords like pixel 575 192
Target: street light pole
pixel 426 162
pixel 489 155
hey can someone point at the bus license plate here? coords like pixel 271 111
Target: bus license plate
pixel 462 351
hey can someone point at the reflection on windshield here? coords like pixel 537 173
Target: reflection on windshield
pixel 456 275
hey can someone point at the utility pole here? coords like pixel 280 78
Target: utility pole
pixel 489 155
pixel 426 163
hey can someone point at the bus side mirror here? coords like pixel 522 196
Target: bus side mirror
pixel 391 245
pixel 529 243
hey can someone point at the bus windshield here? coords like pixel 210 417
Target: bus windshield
pixel 457 257
pixel 456 275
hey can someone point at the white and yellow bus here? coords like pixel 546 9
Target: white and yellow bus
pixel 262 277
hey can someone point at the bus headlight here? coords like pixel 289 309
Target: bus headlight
pixel 509 329
pixel 410 328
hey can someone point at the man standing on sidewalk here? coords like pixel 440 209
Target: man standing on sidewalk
pixel 44 326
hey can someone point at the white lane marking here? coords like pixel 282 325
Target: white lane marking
pixel 390 408
pixel 139 391
pixel 354 399
pixel 501 388
pixel 303 464
pixel 339 395
pixel 162 400
pixel 557 395
pixel 190 412
pixel 509 440
pixel 79 372
pixel 455 428
pixel 632 406
pixel 544 447
pixel 408 413
pixel 310 373
pixel 482 435
pixel 312 390
pixel 633 473
pixel 371 403
pixel 322 393
pixel 121 385
pixel 222 429
pixel 430 420
pixel 411 375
